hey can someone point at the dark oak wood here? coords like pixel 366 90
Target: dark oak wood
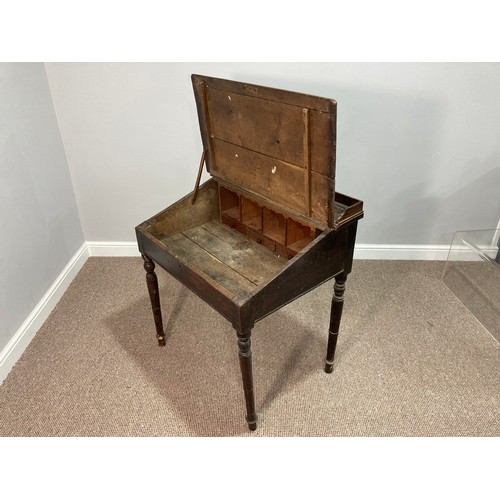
pixel 202 285
pixel 271 94
pixel 245 357
pixel 206 263
pixel 282 182
pixel 249 122
pixel 225 255
pixel 308 269
pixel 183 214
pixel 268 226
pixel 277 144
pixel 154 295
pixel 335 317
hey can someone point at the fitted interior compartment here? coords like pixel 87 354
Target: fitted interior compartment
pixel 204 237
pixel 276 231
pixel 274 225
pixel 230 203
pixel 298 236
pixel 232 239
pixel 251 214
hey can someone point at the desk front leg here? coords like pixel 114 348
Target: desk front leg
pixel 245 355
pixel 154 295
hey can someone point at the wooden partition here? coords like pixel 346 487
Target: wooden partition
pixel 276 231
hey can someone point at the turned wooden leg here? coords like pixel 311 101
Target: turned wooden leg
pixel 335 316
pixel 154 295
pixel 245 355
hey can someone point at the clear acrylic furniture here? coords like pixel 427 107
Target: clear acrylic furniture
pixel 472 272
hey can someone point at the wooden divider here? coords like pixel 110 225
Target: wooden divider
pixel 276 231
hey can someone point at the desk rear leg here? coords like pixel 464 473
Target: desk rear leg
pixel 154 295
pixel 335 317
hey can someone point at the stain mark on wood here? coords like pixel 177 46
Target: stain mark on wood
pixel 226 256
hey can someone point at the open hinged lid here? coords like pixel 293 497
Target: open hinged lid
pixel 274 144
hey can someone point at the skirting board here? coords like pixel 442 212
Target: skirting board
pixel 369 252
pixel 24 335
pixel 361 251
pixel 113 249
pixel 12 352
pixel 401 252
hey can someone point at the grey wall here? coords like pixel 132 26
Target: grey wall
pixel 419 143
pixel 40 226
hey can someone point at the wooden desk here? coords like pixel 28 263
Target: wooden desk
pixel 268 226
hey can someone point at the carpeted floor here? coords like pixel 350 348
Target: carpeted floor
pixel 411 361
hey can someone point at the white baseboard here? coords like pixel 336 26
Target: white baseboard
pixel 19 342
pixel 113 249
pixel 401 252
pixel 382 252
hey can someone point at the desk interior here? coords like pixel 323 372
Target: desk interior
pixel 225 256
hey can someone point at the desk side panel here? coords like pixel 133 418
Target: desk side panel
pixel 321 262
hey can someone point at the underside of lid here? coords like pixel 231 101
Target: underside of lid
pixel 276 144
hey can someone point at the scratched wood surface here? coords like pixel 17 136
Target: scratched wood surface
pixel 226 256
pixel 183 214
pixel 276 144
pixel 268 127
pixel 276 180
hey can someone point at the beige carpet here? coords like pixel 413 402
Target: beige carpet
pixel 411 361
